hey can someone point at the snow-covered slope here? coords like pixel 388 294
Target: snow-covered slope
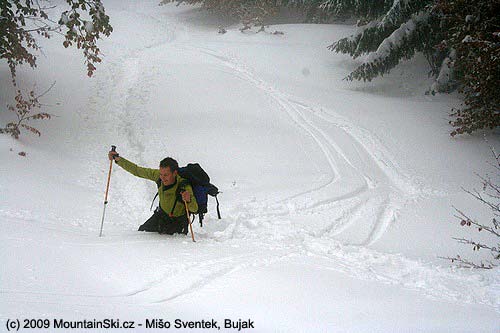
pixel 337 197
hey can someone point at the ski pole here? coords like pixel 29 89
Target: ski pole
pixel 113 148
pixel 189 221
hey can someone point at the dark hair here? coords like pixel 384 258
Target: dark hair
pixel 169 162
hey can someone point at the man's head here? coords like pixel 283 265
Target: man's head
pixel 168 170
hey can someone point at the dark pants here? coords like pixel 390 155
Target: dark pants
pixel 164 224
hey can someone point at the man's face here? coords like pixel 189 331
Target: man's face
pixel 167 176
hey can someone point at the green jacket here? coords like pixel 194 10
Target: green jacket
pixel 167 197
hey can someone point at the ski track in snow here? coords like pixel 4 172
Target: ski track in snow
pixel 334 155
pixel 191 277
pixel 383 192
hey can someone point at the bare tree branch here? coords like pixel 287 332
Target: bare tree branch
pixel 490 197
pixel 469 264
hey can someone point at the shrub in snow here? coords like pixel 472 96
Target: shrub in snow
pixel 25 110
pixel 490 197
pixel 249 12
pixel 22 22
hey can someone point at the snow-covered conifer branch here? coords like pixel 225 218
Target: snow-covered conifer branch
pixel 400 44
pixel 444 80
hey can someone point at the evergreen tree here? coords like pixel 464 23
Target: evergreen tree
pixel 472 32
pixel 393 30
pixel 460 39
pixel 365 10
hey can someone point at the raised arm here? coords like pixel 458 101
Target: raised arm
pixel 146 173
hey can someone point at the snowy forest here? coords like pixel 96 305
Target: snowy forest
pixel 350 153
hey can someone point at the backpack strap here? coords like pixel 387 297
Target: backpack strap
pixel 158 183
pixel 218 210
pixel 200 216
pixel 180 187
pixel 173 207
pixel 152 202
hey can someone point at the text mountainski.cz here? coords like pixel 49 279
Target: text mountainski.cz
pixel 92 324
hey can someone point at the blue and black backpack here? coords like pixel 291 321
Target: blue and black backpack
pixel 199 180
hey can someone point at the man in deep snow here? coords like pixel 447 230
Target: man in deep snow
pixel 170 217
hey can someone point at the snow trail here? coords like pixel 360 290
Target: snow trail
pixel 344 174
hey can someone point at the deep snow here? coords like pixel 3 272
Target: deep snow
pixel 337 197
